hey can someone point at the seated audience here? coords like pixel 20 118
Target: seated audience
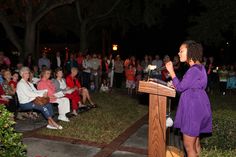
pixel 9 91
pixel 26 93
pixel 7 101
pixel 14 80
pixel 63 102
pixel 70 93
pixel 6 83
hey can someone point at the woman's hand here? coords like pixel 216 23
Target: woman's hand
pixel 170 69
pixel 45 94
pixel 170 84
pixel 53 97
pixel 169 66
pixel 75 88
pixel 4 99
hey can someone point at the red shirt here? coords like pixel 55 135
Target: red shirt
pixel 2 93
pixel 13 83
pixel 72 82
pixel 130 74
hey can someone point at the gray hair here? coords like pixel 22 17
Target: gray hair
pixel 24 69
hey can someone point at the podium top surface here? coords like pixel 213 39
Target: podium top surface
pixel 156 88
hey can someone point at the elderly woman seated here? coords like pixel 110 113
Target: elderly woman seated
pixel 72 89
pixel 73 82
pixel 26 93
pixel 55 97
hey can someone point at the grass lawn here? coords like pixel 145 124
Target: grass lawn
pixel 116 113
pixel 222 143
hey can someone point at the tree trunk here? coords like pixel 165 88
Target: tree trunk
pixel 83 37
pixel 29 39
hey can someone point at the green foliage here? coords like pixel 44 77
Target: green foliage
pixel 10 142
pixel 223 139
pixel 224 131
pixel 218 153
pixel 212 24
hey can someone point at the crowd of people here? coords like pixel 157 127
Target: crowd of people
pixel 85 73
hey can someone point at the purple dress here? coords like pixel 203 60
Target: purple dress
pixel 194 111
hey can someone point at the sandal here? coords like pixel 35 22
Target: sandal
pixel 94 106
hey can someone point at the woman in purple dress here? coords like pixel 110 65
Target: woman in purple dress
pixel 194 115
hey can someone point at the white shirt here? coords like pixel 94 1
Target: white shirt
pixel 26 92
pixel 62 84
pixel 86 65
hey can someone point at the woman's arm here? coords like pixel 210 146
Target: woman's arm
pixel 28 90
pixel 188 80
pixel 191 76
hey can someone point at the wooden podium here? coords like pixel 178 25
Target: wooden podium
pixel 158 94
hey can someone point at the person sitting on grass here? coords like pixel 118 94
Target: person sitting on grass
pixel 73 82
pixel 104 86
pixel 26 93
pixel 63 102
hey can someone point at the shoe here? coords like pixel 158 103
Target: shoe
pixel 63 118
pixel 74 113
pixel 82 105
pixel 51 127
pixel 94 106
pixel 59 127
pixel 20 116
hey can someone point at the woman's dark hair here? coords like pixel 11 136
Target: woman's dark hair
pixel 194 50
pixel 57 70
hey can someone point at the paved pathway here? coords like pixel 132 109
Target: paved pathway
pixel 131 143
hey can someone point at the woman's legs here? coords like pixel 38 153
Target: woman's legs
pixel 74 97
pixel 86 96
pixel 190 145
pixel 46 110
pixel 198 146
pixel 63 106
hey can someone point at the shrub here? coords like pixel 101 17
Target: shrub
pixel 214 152
pixel 224 131
pixel 10 142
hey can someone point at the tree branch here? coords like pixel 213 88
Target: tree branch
pixel 97 21
pixel 78 10
pixel 49 8
pixel 107 13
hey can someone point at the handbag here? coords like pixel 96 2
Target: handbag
pixel 41 101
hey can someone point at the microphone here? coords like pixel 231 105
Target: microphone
pixel 154 67
pixel 161 68
pixel 164 67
